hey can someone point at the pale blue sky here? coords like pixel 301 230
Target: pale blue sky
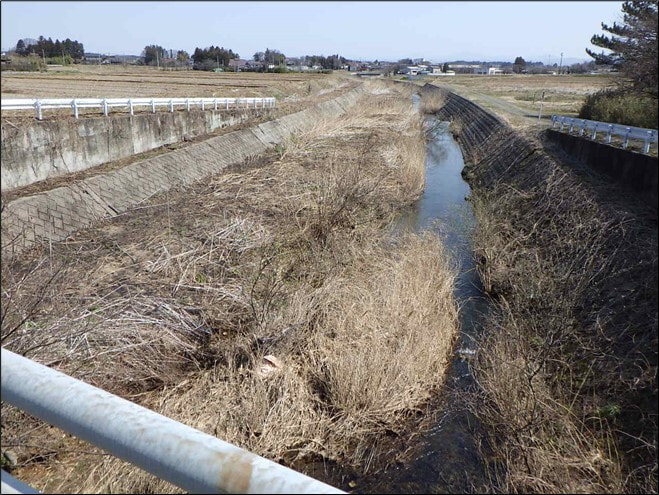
pixel 438 31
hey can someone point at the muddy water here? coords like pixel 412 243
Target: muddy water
pixel 445 460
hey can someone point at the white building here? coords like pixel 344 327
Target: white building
pixel 494 71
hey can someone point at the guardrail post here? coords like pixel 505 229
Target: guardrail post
pixel 582 128
pixel 74 104
pixel 215 103
pixel 227 101
pixel 130 106
pixel 571 126
pixel 626 141
pixel 594 134
pixel 105 107
pixel 562 123
pixel 648 142
pixel 203 106
pixel 608 134
pixel 37 109
pixel 153 105
pixel 171 105
pixel 187 104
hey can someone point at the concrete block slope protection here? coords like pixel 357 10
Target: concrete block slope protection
pixel 58 213
pixel 49 148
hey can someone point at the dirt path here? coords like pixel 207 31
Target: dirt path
pixel 513 114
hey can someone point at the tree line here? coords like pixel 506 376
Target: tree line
pixel 212 56
pixel 157 55
pixel 49 48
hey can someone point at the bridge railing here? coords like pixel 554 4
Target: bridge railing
pixel 592 127
pixel 184 456
pixel 106 104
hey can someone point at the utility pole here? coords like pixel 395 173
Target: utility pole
pixel 218 61
pixel 561 64
pixel 158 58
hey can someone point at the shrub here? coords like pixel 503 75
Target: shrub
pixel 31 63
pixel 620 107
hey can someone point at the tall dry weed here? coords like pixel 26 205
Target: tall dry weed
pixel 564 368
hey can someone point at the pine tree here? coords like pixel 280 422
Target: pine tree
pixel 633 46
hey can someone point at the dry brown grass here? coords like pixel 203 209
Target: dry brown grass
pixel 184 298
pixel 567 366
pixel 432 102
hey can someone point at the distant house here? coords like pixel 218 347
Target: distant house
pixel 411 70
pixel 481 70
pixel 123 59
pixel 438 72
pixel 238 63
pixel 494 71
pixel 93 58
pixel 368 74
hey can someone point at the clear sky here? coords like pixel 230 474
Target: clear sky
pixel 438 31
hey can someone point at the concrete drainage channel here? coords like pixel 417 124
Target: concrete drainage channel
pixel 55 214
pixel 45 149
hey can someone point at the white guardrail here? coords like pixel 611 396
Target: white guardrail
pixel 75 104
pixel 188 458
pixel 648 136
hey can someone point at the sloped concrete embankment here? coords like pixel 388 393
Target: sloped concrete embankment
pixel 56 214
pixel 573 261
pixel 44 149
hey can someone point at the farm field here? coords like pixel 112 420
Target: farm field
pixel 292 91
pixel 516 98
pixel 99 81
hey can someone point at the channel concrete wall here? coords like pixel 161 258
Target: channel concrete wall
pixel 46 149
pixel 636 171
pixel 57 213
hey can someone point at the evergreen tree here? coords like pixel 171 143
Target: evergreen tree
pixel 20 48
pixel 633 46
pixel 519 65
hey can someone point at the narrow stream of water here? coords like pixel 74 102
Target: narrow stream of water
pixel 445 460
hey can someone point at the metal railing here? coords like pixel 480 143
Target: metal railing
pixel 182 455
pixel 592 127
pixel 105 104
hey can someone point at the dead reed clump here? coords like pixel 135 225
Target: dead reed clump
pixel 367 350
pixel 385 339
pixel 432 101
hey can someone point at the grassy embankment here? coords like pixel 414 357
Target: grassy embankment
pixel 267 306
pixel 566 368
